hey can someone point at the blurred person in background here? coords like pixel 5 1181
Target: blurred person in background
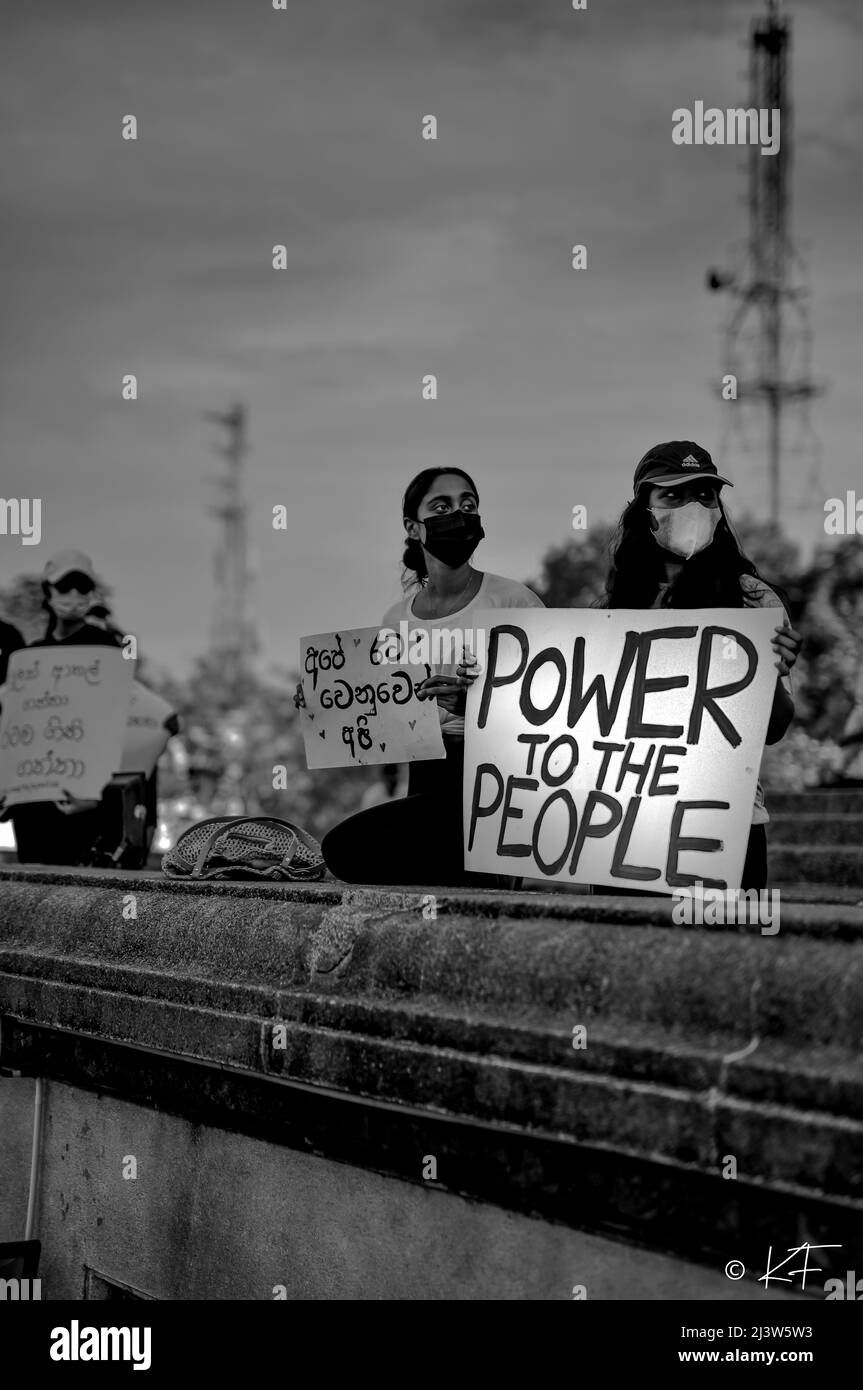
pixel 99 615
pixel 63 831
pixel 851 740
pixel 68 586
pixel 67 830
pixel 10 641
pixel 839 629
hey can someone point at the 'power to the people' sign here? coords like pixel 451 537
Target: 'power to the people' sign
pixel 617 747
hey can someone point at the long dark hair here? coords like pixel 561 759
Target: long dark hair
pixel 413 558
pixel 711 579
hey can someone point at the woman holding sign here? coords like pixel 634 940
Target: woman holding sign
pixel 62 832
pixel 419 839
pixel 675 549
pixel 68 830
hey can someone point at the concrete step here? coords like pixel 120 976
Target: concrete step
pixel 814 864
pixel 843 831
pixel 822 893
pixel 818 802
pixel 591 958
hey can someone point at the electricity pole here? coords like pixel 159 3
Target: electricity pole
pixel 768 337
pixel 232 637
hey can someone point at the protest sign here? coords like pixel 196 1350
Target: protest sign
pixel 617 747
pixel 63 722
pixel 360 709
pixel 146 736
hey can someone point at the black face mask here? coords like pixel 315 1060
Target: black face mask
pixel 453 538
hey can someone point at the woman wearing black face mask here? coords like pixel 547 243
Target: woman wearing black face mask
pixel 675 549
pixel 419 839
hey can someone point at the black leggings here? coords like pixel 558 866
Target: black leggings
pixel 417 839
pixel 755 864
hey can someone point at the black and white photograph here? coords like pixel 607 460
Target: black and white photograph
pixel 432 870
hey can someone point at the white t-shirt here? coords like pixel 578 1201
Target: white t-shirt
pixel 756 594
pixel 493 592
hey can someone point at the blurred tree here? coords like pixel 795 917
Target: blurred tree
pixel 573 575
pixel 833 627
pixel 245 743
pixel 21 605
pixel 776 557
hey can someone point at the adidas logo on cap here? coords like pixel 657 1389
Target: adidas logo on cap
pixel 690 461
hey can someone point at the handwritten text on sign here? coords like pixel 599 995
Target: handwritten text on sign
pixel 619 747
pixel 63 722
pixel 361 710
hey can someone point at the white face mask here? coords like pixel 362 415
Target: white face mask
pixel 71 605
pixel 685 530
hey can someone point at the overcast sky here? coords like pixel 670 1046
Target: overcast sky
pixel 405 257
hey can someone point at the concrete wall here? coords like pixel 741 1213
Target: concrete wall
pixel 213 1215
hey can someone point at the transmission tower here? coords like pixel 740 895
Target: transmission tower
pixel 767 337
pixel 232 637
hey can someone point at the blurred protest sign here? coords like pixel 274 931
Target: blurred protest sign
pixel 617 747
pixel 63 722
pixel 146 736
pixel 360 709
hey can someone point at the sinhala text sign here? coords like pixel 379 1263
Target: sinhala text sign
pixel 360 708
pixel 63 722
pixel 618 748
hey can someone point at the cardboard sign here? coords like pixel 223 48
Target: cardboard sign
pixel 146 736
pixel 360 708
pixel 618 748
pixel 63 722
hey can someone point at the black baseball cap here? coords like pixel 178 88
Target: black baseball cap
pixel 679 461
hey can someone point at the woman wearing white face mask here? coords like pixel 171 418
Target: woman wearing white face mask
pixel 63 832
pixel 675 549
pixel 69 590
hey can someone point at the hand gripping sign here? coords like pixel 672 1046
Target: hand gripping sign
pixel 63 722
pixel 360 709
pixel 618 748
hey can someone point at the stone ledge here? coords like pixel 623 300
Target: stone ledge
pixel 464 1024
pixel 809 916
pixel 618 959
